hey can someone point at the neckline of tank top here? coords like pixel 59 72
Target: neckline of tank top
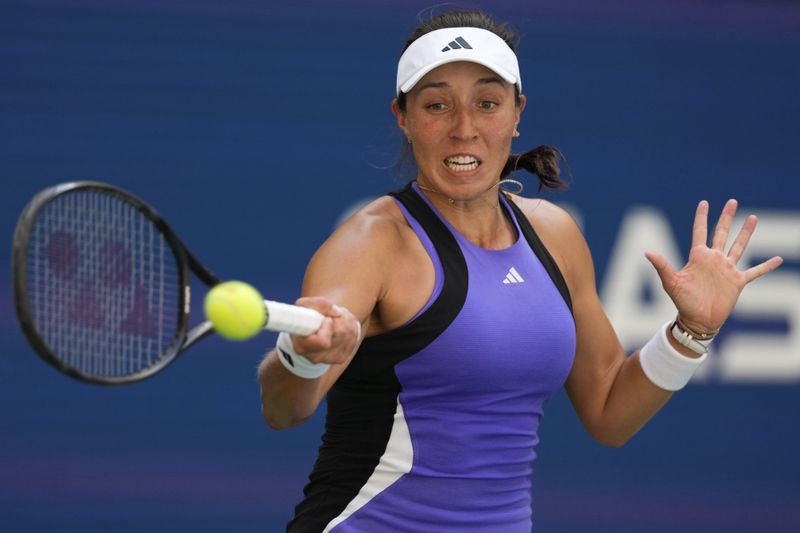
pixel 465 241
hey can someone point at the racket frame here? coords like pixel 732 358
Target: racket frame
pixel 185 261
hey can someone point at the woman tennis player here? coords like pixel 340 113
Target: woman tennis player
pixel 454 310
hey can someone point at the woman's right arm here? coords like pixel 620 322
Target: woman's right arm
pixel 288 400
pixel 344 281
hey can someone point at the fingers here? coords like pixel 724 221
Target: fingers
pixel 724 225
pixel 740 244
pixel 321 304
pixel 319 340
pixel 663 268
pixel 764 268
pixel 350 328
pixel 700 229
pixel 320 346
pixel 336 339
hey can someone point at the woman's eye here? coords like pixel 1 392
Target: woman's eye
pixel 487 104
pixel 436 106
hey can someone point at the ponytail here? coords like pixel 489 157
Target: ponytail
pixel 544 161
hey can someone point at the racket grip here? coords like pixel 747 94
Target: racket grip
pixel 291 318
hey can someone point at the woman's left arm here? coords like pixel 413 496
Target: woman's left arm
pixel 611 393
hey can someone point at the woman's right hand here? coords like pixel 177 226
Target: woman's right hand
pixel 337 338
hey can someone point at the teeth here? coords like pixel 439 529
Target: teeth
pixel 462 163
pixel 462 160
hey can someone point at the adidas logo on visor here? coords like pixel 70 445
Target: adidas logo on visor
pixel 458 44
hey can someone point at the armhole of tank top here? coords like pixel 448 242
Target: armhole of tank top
pixel 441 309
pixel 434 256
pixel 540 250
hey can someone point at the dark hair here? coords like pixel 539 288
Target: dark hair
pixel 543 161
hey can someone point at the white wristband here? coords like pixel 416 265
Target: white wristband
pixel 296 363
pixel 665 366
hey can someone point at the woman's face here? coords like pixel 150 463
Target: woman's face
pixel 460 119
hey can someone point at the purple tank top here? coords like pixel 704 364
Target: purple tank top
pixel 433 426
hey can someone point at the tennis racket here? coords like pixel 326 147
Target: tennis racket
pixel 101 285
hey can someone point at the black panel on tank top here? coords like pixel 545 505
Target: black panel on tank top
pixel 362 402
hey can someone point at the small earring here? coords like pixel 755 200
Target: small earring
pixel 515 134
pixel 408 139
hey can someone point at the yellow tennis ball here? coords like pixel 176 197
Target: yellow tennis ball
pixel 236 310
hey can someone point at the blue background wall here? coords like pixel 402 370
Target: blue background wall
pixel 253 126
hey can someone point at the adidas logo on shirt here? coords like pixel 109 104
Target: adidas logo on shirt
pixel 513 276
pixel 458 44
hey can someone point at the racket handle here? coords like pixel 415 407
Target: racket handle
pixel 291 318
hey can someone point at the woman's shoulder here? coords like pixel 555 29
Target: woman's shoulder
pixel 380 215
pixel 547 218
pixel 380 224
pixel 366 245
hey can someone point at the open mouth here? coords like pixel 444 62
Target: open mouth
pixel 462 163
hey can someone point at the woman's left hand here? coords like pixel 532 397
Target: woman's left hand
pixel 706 289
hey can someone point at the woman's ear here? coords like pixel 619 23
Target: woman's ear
pixel 400 116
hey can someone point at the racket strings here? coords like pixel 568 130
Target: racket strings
pixel 103 285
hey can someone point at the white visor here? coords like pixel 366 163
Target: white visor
pixel 447 45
